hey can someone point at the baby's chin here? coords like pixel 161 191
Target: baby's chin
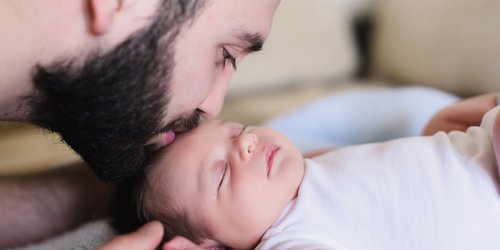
pixel 252 242
pixel 297 187
pixel 244 241
pixel 299 160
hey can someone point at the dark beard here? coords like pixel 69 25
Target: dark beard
pixel 107 108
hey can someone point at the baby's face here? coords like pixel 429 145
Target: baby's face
pixel 235 179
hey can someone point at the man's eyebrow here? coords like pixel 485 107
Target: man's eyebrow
pixel 254 40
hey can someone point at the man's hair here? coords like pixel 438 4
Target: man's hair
pixel 109 106
pixel 140 200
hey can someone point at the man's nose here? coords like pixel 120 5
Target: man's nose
pixel 246 144
pixel 212 105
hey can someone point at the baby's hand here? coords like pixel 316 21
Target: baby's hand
pixel 461 115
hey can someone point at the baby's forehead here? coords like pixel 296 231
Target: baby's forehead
pixel 162 170
pixel 173 166
pixel 176 152
pixel 187 145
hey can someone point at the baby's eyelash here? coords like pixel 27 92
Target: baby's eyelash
pixel 228 58
pixel 223 175
pixel 242 131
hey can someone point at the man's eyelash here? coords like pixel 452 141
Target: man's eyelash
pixel 228 58
pixel 223 175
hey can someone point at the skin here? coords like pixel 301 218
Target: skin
pixel 80 26
pixel 83 26
pixel 222 25
pixel 147 237
pixel 496 138
pixel 59 193
pixel 238 189
pixel 466 113
pixel 461 115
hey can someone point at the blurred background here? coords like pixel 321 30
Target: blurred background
pixel 352 53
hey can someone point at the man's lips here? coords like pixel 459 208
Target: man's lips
pixel 270 154
pixel 169 137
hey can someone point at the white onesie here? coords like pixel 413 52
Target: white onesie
pixel 437 192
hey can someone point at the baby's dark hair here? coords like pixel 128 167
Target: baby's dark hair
pixel 138 202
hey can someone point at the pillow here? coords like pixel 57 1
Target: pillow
pixel 361 115
pixel 309 41
pixel 449 44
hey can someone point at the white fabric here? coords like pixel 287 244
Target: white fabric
pixel 439 192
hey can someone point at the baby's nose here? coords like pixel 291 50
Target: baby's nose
pixel 247 142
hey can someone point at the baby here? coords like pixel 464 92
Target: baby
pixel 227 185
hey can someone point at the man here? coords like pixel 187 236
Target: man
pixel 118 78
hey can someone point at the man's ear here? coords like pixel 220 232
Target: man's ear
pixel 102 13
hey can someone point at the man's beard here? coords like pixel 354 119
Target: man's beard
pixel 107 108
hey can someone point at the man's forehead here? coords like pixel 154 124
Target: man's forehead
pixel 248 20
